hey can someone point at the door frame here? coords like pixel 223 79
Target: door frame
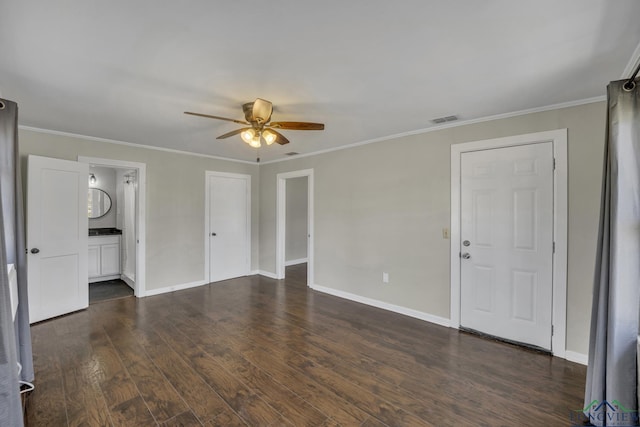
pixel 207 226
pixel 281 209
pixel 140 288
pixel 558 138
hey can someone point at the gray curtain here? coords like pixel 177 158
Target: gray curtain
pixel 612 381
pixel 15 337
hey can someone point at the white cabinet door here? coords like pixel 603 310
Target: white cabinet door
pixel 110 259
pixel 507 242
pixel 94 261
pixel 57 224
pixel 104 255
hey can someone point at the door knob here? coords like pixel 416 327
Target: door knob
pixel 213 234
pixel 35 250
pixel 466 255
pixel 466 243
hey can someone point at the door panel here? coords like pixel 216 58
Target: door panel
pixel 523 291
pixel 524 218
pixel 483 288
pixel 57 235
pixel 507 217
pixel 228 224
pixel 483 218
pixel 57 295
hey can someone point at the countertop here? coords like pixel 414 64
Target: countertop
pixel 104 231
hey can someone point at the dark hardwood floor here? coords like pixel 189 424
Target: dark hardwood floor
pixel 255 351
pixel 108 290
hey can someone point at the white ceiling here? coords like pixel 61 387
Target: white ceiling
pixel 126 70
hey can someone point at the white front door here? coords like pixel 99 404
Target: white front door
pixel 57 235
pixel 229 226
pixel 507 242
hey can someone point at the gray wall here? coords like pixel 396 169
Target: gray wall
pixel 175 201
pixel 296 218
pixel 382 207
pixel 378 207
pixel 105 181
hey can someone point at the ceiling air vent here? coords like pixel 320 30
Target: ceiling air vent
pixel 445 119
pixel 291 153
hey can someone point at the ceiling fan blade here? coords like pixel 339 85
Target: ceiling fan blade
pixel 216 117
pixel 262 110
pixel 233 132
pixel 296 125
pixel 280 138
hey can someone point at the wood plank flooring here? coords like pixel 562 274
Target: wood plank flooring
pixel 107 290
pixel 259 352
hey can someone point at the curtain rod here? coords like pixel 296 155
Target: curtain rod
pixel 630 84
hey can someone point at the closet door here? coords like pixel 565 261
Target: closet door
pixel 229 226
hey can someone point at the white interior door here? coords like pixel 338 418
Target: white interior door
pixel 507 242
pixel 57 236
pixel 229 225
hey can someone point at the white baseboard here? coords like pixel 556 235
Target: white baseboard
pixel 167 289
pixel 383 305
pixel 572 356
pixel 265 274
pixel 126 279
pixel 296 261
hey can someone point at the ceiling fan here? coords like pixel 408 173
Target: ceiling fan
pixel 258 117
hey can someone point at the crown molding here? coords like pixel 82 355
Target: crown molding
pixel 130 144
pixel 632 64
pixel 447 126
pixel 342 147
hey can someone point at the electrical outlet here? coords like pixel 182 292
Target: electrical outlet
pixel 445 233
pixel 385 277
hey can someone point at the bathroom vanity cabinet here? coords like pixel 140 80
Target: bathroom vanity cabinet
pixel 104 258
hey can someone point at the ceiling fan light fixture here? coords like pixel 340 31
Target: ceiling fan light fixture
pixel 255 142
pixel 269 137
pixel 248 135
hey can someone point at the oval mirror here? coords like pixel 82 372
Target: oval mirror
pixel 99 203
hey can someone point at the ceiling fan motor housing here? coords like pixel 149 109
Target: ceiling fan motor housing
pixel 258 112
pixel 248 111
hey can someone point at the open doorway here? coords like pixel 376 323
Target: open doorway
pixel 112 232
pixel 117 242
pixel 294 225
pixel 296 221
